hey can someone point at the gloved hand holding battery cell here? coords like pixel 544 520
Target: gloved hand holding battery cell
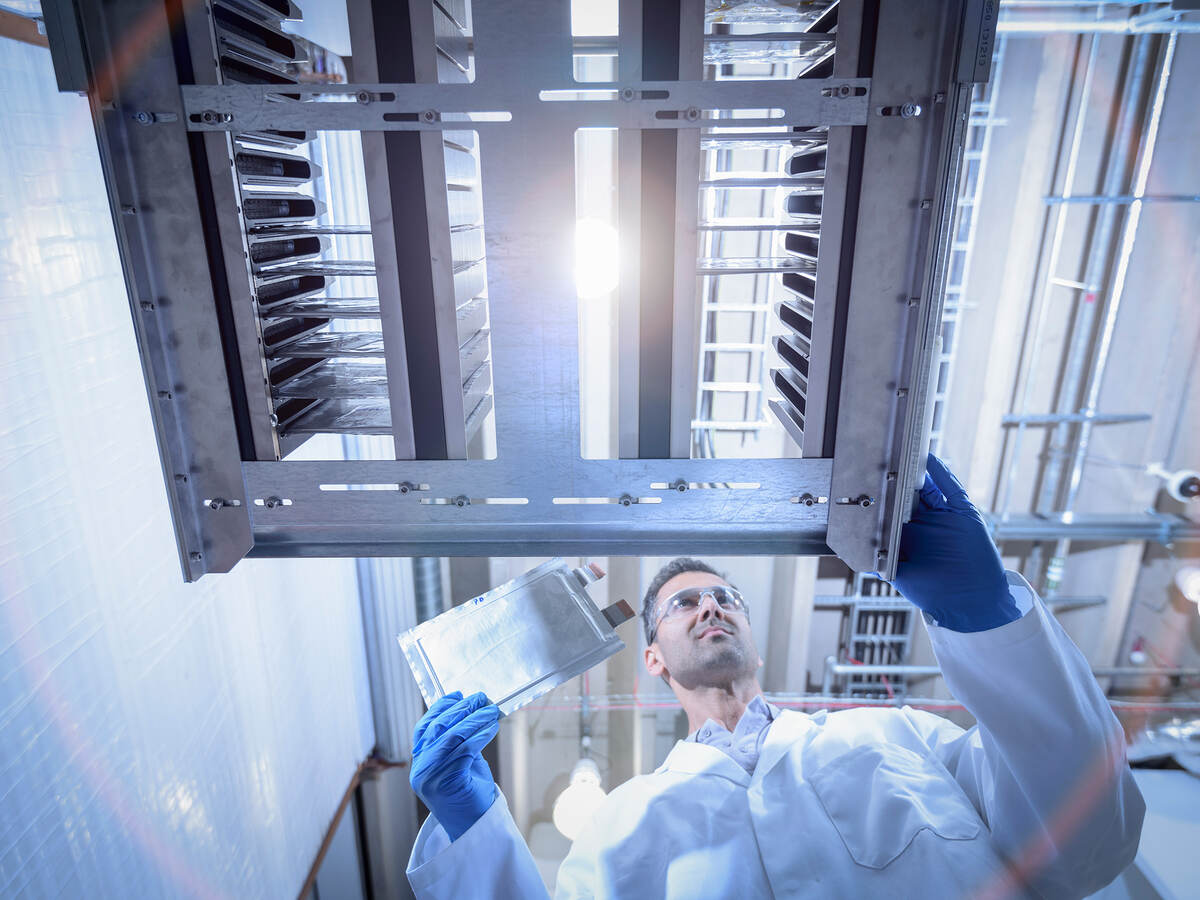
pixel 449 772
pixel 949 566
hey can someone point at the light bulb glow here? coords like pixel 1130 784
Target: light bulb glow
pixel 1187 580
pixel 597 258
pixel 579 801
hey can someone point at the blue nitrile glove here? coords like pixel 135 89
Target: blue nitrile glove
pixel 949 567
pixel 449 772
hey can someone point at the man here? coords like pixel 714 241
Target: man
pixel 1035 800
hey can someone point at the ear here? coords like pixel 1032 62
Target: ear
pixel 654 661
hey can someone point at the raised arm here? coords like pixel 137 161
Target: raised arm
pixel 469 847
pixel 1045 765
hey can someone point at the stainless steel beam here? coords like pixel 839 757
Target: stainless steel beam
pixel 502 103
pixel 909 168
pixel 419 515
pixel 174 276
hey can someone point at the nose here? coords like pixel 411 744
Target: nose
pixel 709 608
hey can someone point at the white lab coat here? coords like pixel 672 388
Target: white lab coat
pixel 1036 799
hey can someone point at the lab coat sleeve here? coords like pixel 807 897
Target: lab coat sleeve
pixel 1045 765
pixel 489 860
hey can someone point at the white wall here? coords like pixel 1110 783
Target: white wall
pixel 156 738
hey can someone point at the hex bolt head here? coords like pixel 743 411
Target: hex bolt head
pixel 926 204
pixel 405 487
pixel 462 500
pixel 691 114
pixel 195 557
pixel 910 110
pixel 864 502
pixel 208 117
pixel 143 118
pixel 216 504
pixel 181 478
pixel 625 500
pixel 679 485
pixel 628 94
pixel 363 97
pixel 272 502
pixel 808 500
pixel 274 420
pixel 844 90
pixel 429 115
pixel 901 392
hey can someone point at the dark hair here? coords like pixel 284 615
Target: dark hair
pixel 677 566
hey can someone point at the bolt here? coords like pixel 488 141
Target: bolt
pixel 363 97
pixel 429 116
pixel 274 419
pixel 864 502
pixel 891 476
pixel 844 90
pixel 216 504
pixel 208 117
pixel 195 557
pixel 939 97
pixel 926 204
pixel 914 302
pixel 679 485
pixel 625 500
pixel 901 392
pixel 128 209
pixel 180 478
pixel 143 118
pixel 462 500
pixel 628 94
pixel 272 502
pixel 146 305
pixel 691 114
pixel 165 395
pixel 406 486
pixel 808 499
pixel 910 110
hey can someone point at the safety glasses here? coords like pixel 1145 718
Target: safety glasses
pixel 689 599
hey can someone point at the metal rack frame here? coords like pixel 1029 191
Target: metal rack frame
pixel 880 277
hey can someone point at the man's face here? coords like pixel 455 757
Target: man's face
pixel 704 646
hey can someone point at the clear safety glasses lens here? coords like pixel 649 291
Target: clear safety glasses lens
pixel 689 599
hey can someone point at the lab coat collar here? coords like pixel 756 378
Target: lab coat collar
pixel 691 758
pixel 788 728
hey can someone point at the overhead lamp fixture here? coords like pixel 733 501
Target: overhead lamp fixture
pixel 596 258
pixel 1187 579
pixel 579 800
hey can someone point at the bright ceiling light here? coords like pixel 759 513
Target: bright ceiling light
pixel 578 802
pixel 1187 580
pixel 596 258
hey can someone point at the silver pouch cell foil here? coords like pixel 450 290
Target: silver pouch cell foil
pixel 519 640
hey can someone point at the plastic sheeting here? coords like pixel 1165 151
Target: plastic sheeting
pixel 157 739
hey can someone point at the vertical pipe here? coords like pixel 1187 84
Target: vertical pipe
pixel 427 587
pixel 1098 258
pixel 1120 275
pixel 1041 299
